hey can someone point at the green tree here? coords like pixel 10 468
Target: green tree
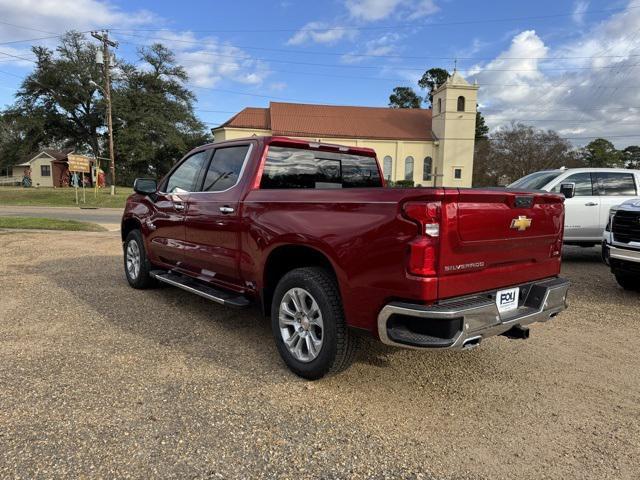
pixel 59 96
pixel 481 127
pixel 602 153
pixel 431 79
pixel 404 97
pixel 59 105
pixel 154 121
pixel 631 156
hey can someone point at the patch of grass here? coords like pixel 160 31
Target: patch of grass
pixel 63 197
pixel 49 224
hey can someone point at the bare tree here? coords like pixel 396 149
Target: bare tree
pixel 519 150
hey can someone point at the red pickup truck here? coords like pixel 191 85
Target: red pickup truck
pixel 310 232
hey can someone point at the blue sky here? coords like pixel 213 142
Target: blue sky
pixel 571 66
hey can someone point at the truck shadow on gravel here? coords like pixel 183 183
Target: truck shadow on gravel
pixel 237 340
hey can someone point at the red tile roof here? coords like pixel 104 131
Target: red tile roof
pixel 297 119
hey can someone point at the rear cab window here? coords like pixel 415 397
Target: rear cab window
pixel 298 168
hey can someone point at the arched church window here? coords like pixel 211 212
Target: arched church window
pixel 408 168
pixel 427 168
pixel 439 105
pixel 461 103
pixel 387 165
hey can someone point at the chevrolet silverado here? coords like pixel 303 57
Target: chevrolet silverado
pixel 309 232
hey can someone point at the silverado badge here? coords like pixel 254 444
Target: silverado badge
pixel 521 223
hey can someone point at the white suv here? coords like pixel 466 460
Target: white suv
pixel 590 192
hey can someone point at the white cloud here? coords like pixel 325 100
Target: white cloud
pixel 595 93
pixel 374 10
pixel 207 60
pixel 385 45
pixel 579 9
pixel 362 11
pixel 319 32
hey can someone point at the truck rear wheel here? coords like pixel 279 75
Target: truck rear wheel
pixel 308 324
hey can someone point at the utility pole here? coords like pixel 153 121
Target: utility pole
pixel 106 58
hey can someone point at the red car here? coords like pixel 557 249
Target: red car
pixel 309 231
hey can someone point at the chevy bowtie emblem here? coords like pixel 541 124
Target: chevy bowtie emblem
pixel 521 223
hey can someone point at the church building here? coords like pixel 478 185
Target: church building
pixel 431 147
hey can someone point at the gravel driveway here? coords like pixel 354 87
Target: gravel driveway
pixel 100 380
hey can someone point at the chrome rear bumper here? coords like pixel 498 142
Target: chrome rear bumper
pixel 463 322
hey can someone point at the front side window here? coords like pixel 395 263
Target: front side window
pixel 461 103
pixel 387 165
pixel 289 167
pixel 457 173
pixel 45 170
pixel 224 169
pixel 427 168
pixel 184 178
pixel 614 184
pixel 408 168
pixel 584 187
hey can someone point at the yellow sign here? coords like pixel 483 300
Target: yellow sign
pixel 78 163
pixel 521 223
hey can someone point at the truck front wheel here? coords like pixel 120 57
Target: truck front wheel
pixel 136 263
pixel 628 282
pixel 308 324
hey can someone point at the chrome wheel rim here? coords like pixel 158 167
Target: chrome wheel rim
pixel 133 259
pixel 301 325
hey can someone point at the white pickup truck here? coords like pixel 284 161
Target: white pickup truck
pixel 590 193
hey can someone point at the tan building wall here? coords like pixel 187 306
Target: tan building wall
pixel 399 151
pixel 37 179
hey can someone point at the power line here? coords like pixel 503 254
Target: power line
pixel 368 67
pixel 399 26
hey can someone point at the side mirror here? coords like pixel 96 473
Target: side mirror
pixel 145 186
pixel 568 189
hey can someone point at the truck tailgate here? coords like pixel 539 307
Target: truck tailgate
pixel 496 238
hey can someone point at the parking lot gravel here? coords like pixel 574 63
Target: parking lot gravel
pixel 98 380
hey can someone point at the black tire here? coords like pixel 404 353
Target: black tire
pixel 338 343
pixel 628 282
pixel 143 279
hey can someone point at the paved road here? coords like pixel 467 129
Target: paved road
pixel 98 380
pixel 108 217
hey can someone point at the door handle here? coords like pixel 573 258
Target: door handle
pixel 178 206
pixel 226 209
pixel 591 204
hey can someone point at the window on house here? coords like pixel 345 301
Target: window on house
pixel 387 166
pixel 427 168
pixel 439 105
pixel 457 173
pixel 45 170
pixel 408 168
pixel 461 103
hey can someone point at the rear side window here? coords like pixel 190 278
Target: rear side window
pixel 288 167
pixel 224 169
pixel 615 184
pixel 584 187
pixel 183 179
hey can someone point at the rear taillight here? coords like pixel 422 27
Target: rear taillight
pixel 423 251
